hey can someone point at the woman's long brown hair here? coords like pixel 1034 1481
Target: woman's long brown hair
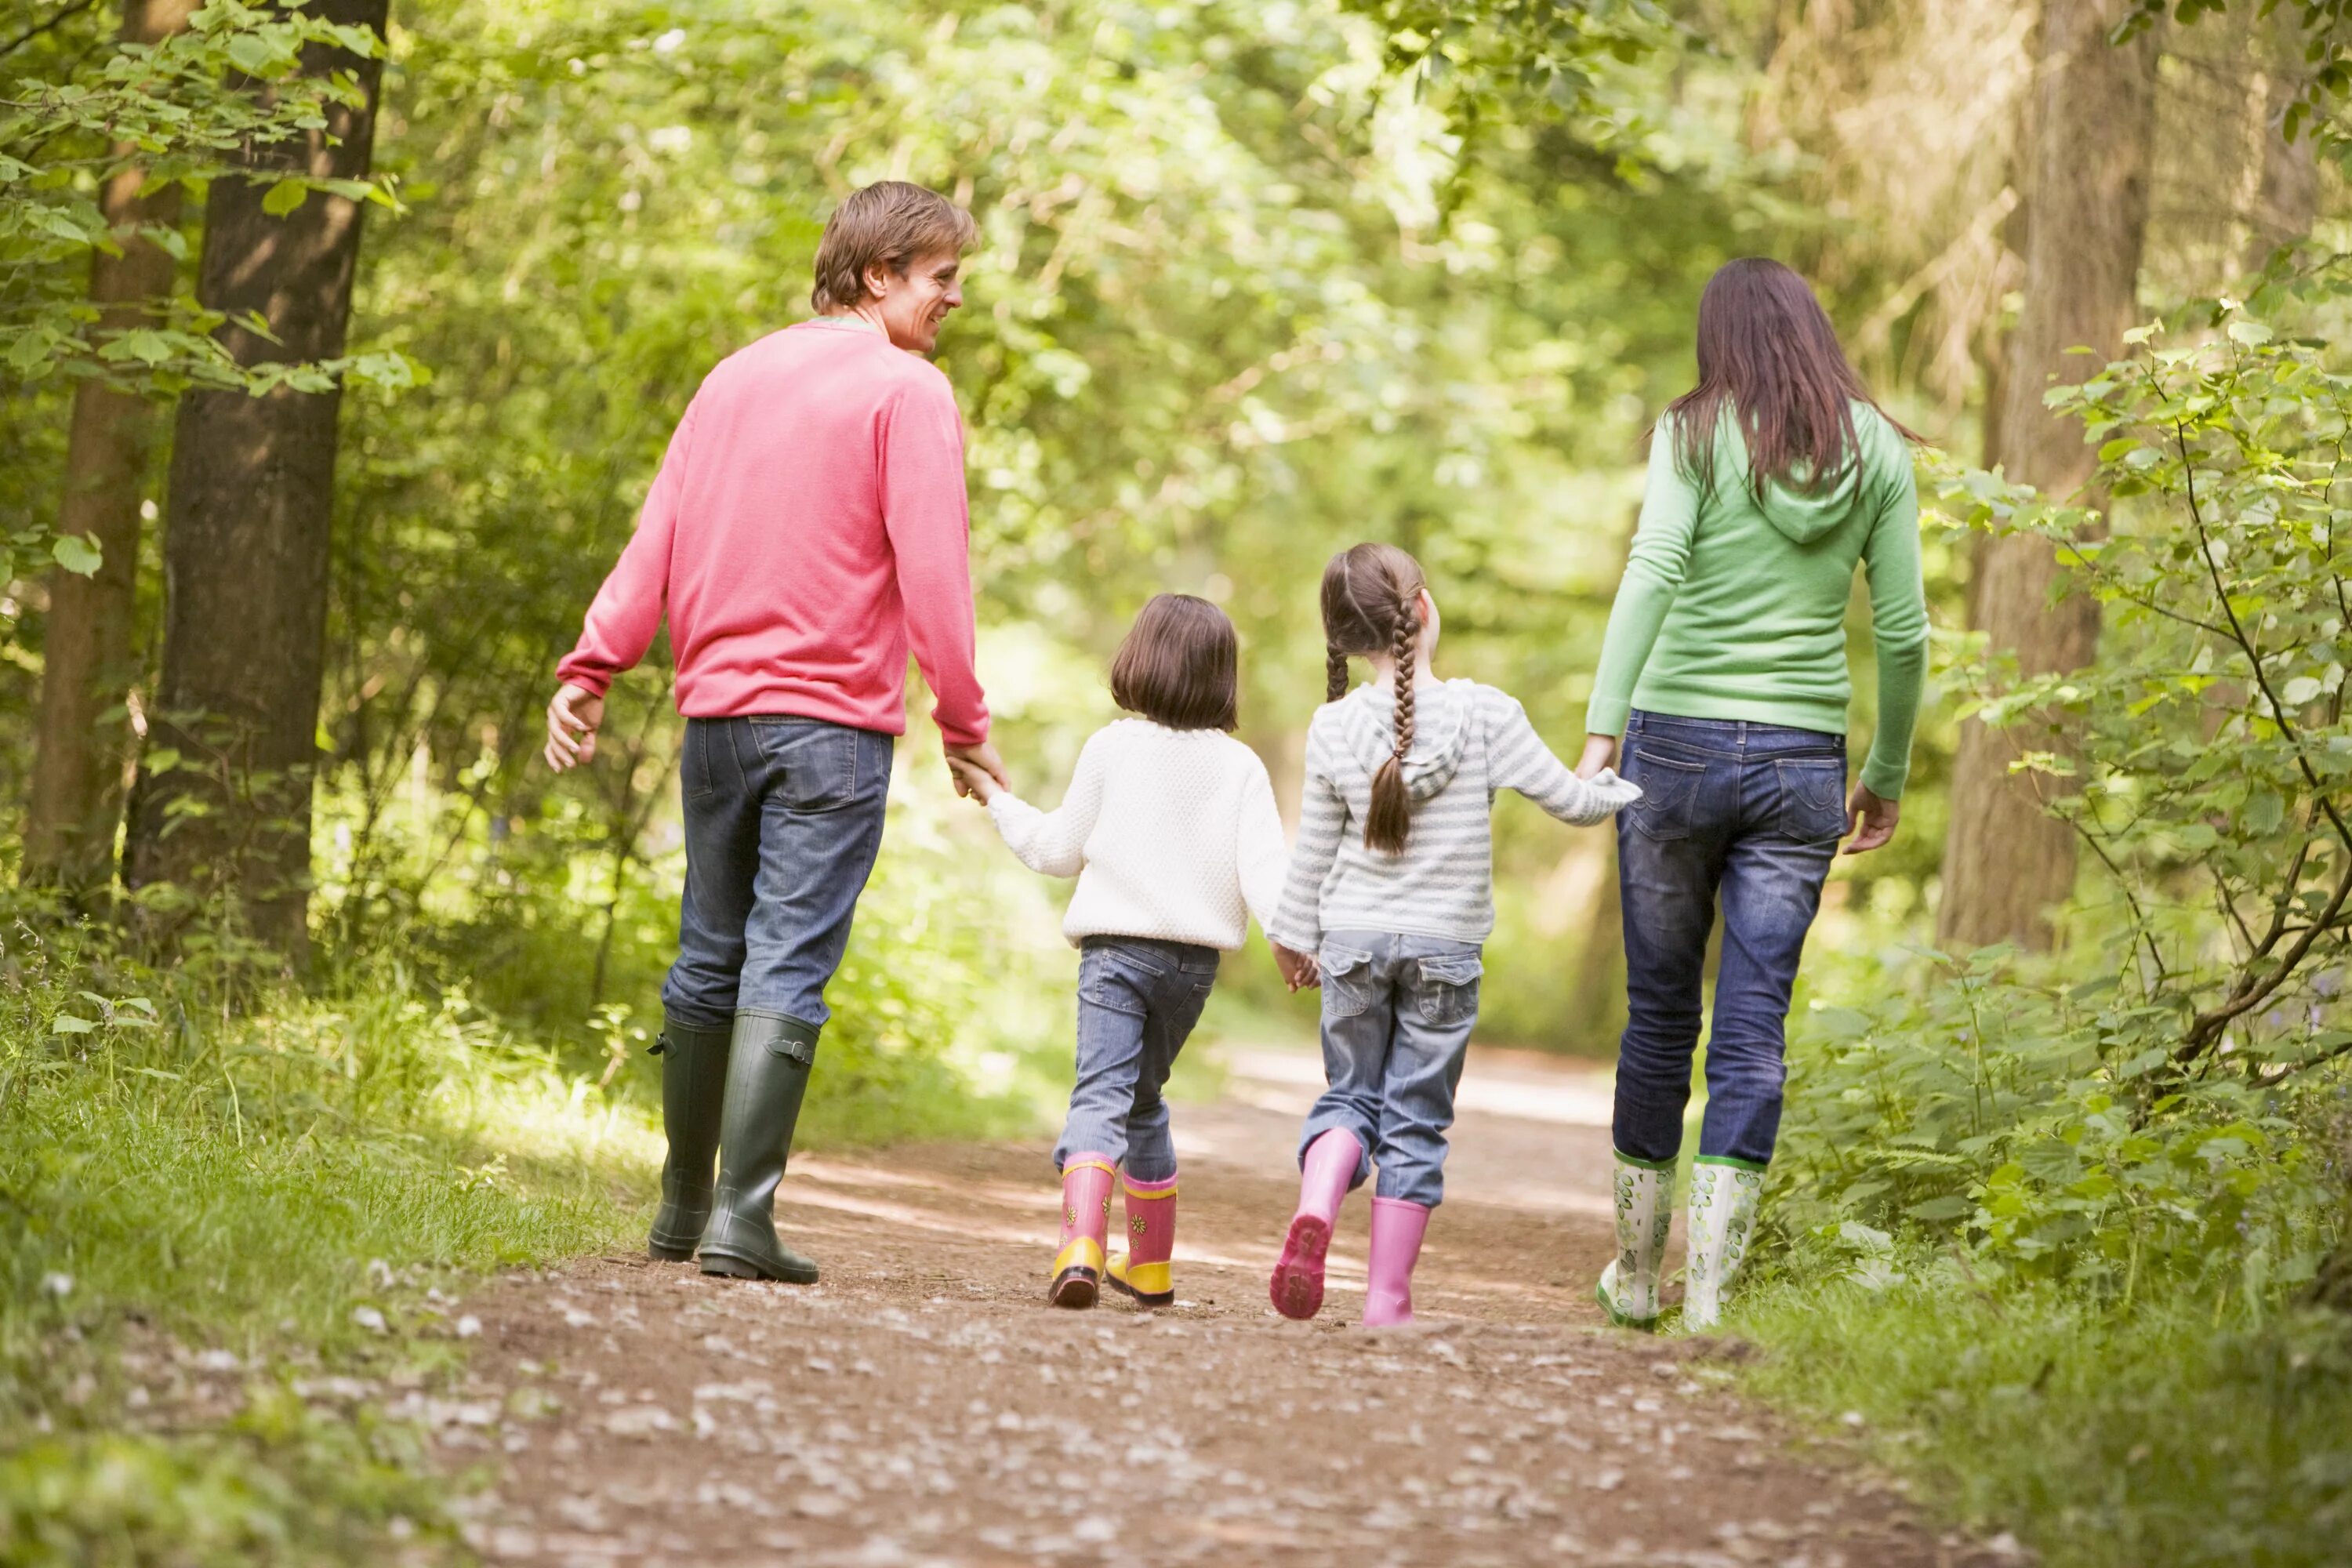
pixel 1372 604
pixel 1765 348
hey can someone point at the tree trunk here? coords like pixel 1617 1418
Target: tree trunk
pixel 2006 861
pixel 245 543
pixel 83 742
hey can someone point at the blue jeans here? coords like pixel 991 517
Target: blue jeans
pixel 783 816
pixel 1397 1012
pixel 1137 1001
pixel 1751 815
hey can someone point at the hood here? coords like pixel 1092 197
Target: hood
pixel 1804 517
pixel 1441 731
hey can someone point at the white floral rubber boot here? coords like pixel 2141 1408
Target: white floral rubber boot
pixel 1723 1198
pixel 1645 1209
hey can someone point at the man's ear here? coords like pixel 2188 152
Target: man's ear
pixel 877 280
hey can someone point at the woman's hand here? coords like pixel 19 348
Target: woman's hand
pixel 1600 751
pixel 1298 969
pixel 1870 819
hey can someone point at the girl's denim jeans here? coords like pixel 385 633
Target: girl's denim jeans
pixel 1137 1001
pixel 1397 1012
pixel 1744 814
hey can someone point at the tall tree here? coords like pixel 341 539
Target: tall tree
pixel 77 793
pixel 2086 176
pixel 223 803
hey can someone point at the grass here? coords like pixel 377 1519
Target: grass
pixel 2168 1435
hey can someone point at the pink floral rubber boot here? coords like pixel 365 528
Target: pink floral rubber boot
pixel 1086 1222
pixel 1143 1271
pixel 1397 1229
pixel 1330 1164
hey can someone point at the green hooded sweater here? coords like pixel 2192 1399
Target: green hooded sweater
pixel 1733 604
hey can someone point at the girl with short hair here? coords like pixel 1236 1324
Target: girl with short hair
pixel 1387 902
pixel 1171 828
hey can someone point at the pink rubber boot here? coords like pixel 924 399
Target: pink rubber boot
pixel 1397 1230
pixel 1086 1223
pixel 1330 1164
pixel 1143 1270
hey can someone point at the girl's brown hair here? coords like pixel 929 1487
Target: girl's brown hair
pixel 1178 664
pixel 1372 604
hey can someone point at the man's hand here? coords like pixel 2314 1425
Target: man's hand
pixel 982 757
pixel 1600 751
pixel 970 780
pixel 1298 969
pixel 573 716
pixel 1870 819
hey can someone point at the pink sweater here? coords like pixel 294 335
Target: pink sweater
pixel 808 524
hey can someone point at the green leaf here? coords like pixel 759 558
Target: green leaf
pixel 66 1023
pixel 285 197
pixel 78 553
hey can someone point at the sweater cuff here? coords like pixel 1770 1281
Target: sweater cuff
pixel 1607 715
pixel 1885 779
pixel 595 682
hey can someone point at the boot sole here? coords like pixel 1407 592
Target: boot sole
pixel 661 1252
pixel 726 1267
pixel 1623 1319
pixel 1163 1299
pixel 1296 1287
pixel 1075 1288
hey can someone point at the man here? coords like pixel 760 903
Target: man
pixel 808 525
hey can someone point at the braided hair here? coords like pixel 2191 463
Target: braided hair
pixel 1372 604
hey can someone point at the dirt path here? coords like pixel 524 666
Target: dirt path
pixel 923 1406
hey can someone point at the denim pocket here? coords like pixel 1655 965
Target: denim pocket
pixel 695 773
pixel 1669 793
pixel 1449 989
pixel 1347 987
pixel 817 761
pixel 1812 799
pixel 1109 979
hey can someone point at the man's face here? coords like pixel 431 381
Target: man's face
pixel 915 303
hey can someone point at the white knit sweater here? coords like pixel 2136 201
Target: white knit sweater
pixel 1170 833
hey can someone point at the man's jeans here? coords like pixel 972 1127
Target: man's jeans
pixel 1397 1012
pixel 1137 1001
pixel 1752 813
pixel 783 816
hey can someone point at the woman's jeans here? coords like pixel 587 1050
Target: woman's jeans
pixel 783 818
pixel 1397 1012
pixel 1751 815
pixel 1137 1001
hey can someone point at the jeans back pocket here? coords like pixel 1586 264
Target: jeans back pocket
pixel 1669 793
pixel 1812 799
pixel 1347 974
pixel 1449 989
pixel 813 765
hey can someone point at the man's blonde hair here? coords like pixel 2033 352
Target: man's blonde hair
pixel 890 222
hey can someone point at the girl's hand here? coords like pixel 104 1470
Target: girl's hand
pixel 1600 751
pixel 1298 969
pixel 973 780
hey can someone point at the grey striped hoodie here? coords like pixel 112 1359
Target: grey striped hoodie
pixel 1469 740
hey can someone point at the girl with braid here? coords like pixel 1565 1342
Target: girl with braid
pixel 1388 898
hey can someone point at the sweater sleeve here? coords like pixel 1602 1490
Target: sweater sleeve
pixel 1054 842
pixel 627 610
pixel 928 520
pixel 1322 818
pixel 1654 573
pixel 1898 625
pixel 1516 758
pixel 1259 854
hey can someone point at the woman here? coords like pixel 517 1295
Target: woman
pixel 1724 670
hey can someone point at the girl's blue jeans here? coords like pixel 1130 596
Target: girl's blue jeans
pixel 1746 818
pixel 1137 1001
pixel 1397 1012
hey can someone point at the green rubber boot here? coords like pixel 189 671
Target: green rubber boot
pixel 767 1075
pixel 694 1091
pixel 1723 1200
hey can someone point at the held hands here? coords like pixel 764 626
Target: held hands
pixel 573 714
pixel 1870 819
pixel 972 781
pixel 1600 751
pixel 1298 969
